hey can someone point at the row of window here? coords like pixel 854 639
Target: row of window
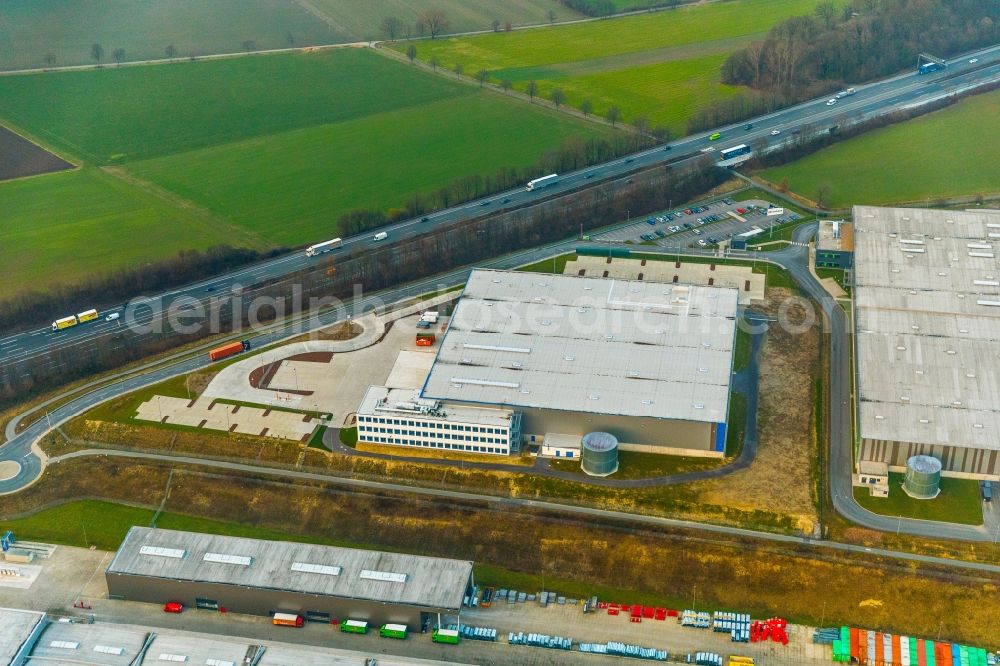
pixel 375 439
pixel 443 435
pixel 435 425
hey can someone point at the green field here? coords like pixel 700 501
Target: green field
pixel 376 161
pixel 116 115
pixel 66 29
pixel 256 152
pixel 944 154
pixel 29 30
pixel 958 502
pixel 364 18
pixel 77 221
pixel 663 65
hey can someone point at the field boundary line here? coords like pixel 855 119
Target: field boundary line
pixel 44 145
pixel 199 212
pixel 467 79
pixel 310 8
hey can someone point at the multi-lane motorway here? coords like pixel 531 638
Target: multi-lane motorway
pixel 877 98
pixel 891 94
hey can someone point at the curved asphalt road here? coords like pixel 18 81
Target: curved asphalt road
pixel 878 98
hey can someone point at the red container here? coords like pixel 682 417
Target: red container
pixel 648 611
pixel 672 613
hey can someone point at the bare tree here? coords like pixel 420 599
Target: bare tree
pixel 435 61
pixel 828 12
pixel 552 16
pixel 531 89
pixel 641 124
pixel 411 52
pixel 290 39
pixel 558 96
pixel 392 27
pixel 50 59
pixel 171 51
pixel 506 85
pixel 507 27
pixel 119 55
pixel 458 69
pixel 613 115
pixel 97 53
pixel 586 106
pixel 823 195
pixel 249 45
pixel 434 22
pixel 496 25
pixel 481 76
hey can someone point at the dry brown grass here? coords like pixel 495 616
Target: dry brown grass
pixel 434 454
pixel 758 577
pixel 780 479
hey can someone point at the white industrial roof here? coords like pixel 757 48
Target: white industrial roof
pixel 927 302
pixel 100 643
pixel 384 401
pixel 16 628
pixel 350 573
pixel 586 344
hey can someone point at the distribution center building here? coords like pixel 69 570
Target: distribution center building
pixel 648 362
pixel 320 583
pixel 927 304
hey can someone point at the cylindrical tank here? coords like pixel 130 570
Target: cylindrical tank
pixel 600 454
pixel 923 477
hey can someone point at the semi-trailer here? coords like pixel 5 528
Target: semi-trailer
pixel 287 620
pixel 393 631
pixel 73 320
pixel 325 246
pixel 354 627
pixel 228 350
pixel 539 183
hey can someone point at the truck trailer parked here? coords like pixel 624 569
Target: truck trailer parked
pixel 288 620
pixel 393 631
pixel 354 627
pixel 449 636
pixel 229 350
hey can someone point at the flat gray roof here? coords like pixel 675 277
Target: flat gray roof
pixel 587 344
pixel 383 401
pixel 927 302
pixel 409 580
pixel 16 627
pixel 75 643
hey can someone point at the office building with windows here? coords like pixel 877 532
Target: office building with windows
pixel 400 417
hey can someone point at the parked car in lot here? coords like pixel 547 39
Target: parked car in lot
pixel 688 225
pixel 741 211
pixel 987 491
pixel 698 232
pixel 651 221
pixel 661 233
pixel 687 211
pixel 713 240
pixel 701 241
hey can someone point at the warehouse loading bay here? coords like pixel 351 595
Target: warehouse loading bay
pixel 71 584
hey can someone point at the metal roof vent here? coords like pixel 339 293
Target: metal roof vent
pixel 569 358
pixel 647 402
pixel 594 397
pixel 699 405
pixel 904 398
pixel 977 425
pixel 879 417
pixel 496 280
pixel 925 420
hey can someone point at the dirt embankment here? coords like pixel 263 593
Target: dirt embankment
pixel 762 578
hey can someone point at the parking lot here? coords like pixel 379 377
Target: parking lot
pixel 705 225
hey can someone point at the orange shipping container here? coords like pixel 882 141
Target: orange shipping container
pixel 225 350
pixel 879 649
pixel 897 657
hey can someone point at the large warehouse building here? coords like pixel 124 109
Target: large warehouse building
pixel 927 304
pixel 320 583
pixel 534 357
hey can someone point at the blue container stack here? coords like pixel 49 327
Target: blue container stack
pixel 625 650
pixel 478 633
pixel 540 640
pixel 737 625
pixel 697 619
pixel 705 659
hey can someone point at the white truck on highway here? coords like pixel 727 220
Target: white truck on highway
pixel 539 183
pixel 325 246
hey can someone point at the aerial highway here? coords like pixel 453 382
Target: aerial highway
pixel 895 93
